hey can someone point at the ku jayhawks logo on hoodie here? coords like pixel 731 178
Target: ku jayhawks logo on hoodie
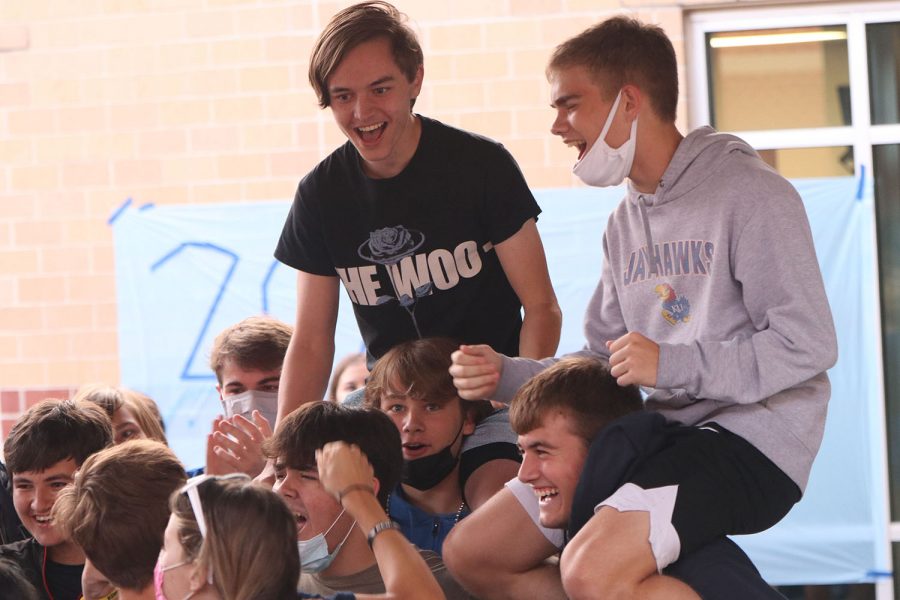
pixel 675 309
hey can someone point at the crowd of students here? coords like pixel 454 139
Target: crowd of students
pixel 470 462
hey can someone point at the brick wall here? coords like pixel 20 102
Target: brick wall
pixel 183 101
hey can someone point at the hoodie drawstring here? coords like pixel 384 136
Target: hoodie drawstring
pixel 648 237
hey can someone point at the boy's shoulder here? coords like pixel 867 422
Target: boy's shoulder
pixel 28 555
pixel 449 145
pixel 22 550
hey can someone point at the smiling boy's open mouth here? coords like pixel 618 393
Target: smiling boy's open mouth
pixel 371 133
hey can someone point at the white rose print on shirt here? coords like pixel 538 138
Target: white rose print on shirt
pixel 388 246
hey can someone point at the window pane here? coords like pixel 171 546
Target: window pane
pixel 883 40
pixel 779 78
pixel 832 161
pixel 887 212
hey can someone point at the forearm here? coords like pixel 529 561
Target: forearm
pixel 514 373
pixel 743 370
pixel 511 562
pixel 304 376
pixel 542 581
pixel 404 572
pixel 540 332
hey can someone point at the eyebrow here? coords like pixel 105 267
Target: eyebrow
pixel 379 81
pixel 272 379
pixel 563 100
pixel 56 477
pixel 538 444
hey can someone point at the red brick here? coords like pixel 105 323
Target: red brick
pixel 14 37
pixel 32 397
pixel 10 402
pixel 7 427
pixel 14 94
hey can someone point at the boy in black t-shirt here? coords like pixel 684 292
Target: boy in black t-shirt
pixel 44 449
pixel 430 229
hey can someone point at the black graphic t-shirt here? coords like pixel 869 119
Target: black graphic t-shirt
pixel 415 252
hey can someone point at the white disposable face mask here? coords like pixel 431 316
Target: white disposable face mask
pixel 246 402
pixel 604 166
pixel 314 555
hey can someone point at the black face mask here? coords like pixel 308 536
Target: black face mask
pixel 426 472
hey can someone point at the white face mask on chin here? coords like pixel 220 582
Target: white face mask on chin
pixel 604 166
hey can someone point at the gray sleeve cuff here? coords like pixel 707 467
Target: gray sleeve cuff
pixel 516 371
pixel 675 370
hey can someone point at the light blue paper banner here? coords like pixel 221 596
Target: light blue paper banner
pixel 184 273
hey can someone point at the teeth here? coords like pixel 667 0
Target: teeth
pixel 545 493
pixel 45 519
pixel 370 128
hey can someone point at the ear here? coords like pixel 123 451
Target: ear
pixel 417 81
pixel 633 101
pixel 199 577
pixel 219 389
pixel 376 485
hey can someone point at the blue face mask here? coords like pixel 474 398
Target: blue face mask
pixel 314 555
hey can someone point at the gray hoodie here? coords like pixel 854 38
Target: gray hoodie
pixel 732 293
